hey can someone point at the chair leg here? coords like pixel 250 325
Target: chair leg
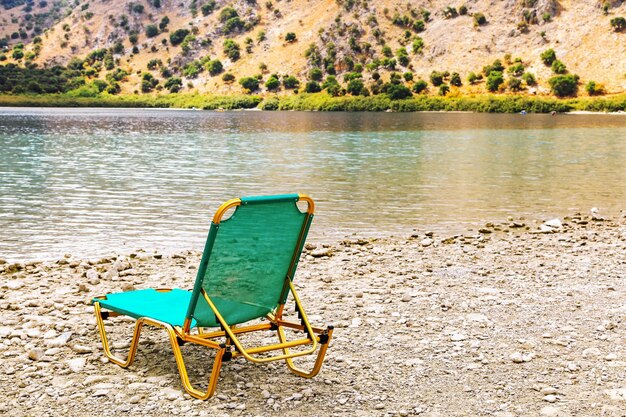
pixel 182 369
pixel 105 343
pixel 328 334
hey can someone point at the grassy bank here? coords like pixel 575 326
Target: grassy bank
pixel 324 102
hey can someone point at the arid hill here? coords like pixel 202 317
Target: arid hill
pixel 196 45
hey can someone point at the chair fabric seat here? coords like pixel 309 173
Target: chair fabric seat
pixel 171 307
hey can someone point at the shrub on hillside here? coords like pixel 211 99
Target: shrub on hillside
pixel 396 91
pixel 214 67
pixel 178 36
pixel 356 87
pixel 290 37
pixel 403 57
pixel 548 56
pixel 312 87
pixel 594 89
pixel 618 24
pixel 420 86
pixel 479 19
pixel 152 31
pixel 514 84
pixel 494 81
pixel 207 8
pixel 290 82
pixel 529 78
pixel 232 49
pixel 516 69
pixel 436 78
pixel 455 79
pixel 418 45
pixel 272 83
pixel 174 84
pixel 472 78
pixel 249 83
pixel 564 85
pixel 558 67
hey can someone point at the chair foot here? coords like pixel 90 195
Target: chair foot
pixel 182 369
pixel 124 363
pixel 324 338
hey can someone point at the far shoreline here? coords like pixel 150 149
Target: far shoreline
pixel 488 103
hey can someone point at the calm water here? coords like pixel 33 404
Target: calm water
pixel 97 181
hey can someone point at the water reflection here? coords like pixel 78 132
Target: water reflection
pixel 93 181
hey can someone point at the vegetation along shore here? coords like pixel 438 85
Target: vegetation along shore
pixel 324 102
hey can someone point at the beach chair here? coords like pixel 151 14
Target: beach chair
pixel 243 282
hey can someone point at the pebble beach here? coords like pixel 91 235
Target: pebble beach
pixel 516 318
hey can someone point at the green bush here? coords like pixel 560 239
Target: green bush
pixel 316 74
pixel 270 104
pixel 312 87
pixel 228 78
pixel 558 67
pixel 516 69
pixel 564 85
pixel 479 19
pixel 290 37
pixel 436 78
pixel 272 83
pixel 618 24
pixel 178 36
pixel 418 45
pixel 420 86
pixel 357 88
pixel 548 56
pixel 408 76
pixel 444 89
pixel 154 63
pixel 249 83
pixel 529 78
pixel 594 89
pixel 208 7
pixel 450 12
pixel 290 82
pixel 472 78
pixel 403 57
pixel 232 49
pixel 496 66
pixel 494 80
pixel 463 10
pixel 191 70
pixel 174 84
pixel 455 79
pixel 214 67
pixel 164 22
pixel 397 91
pixel 152 31
pixel 514 84
pixel 228 13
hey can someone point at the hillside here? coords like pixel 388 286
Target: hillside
pixel 195 45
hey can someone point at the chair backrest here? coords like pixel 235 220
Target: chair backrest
pixel 248 255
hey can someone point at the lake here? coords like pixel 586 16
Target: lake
pixel 93 182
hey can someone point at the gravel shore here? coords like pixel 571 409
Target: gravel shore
pixel 516 319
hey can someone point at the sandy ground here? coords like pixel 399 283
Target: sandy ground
pixel 501 322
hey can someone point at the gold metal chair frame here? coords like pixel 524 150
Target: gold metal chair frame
pixel 232 347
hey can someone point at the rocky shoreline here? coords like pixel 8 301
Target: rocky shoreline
pixel 510 320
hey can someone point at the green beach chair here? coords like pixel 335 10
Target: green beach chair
pixel 245 274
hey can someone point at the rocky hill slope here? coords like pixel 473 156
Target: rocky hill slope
pixel 208 45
